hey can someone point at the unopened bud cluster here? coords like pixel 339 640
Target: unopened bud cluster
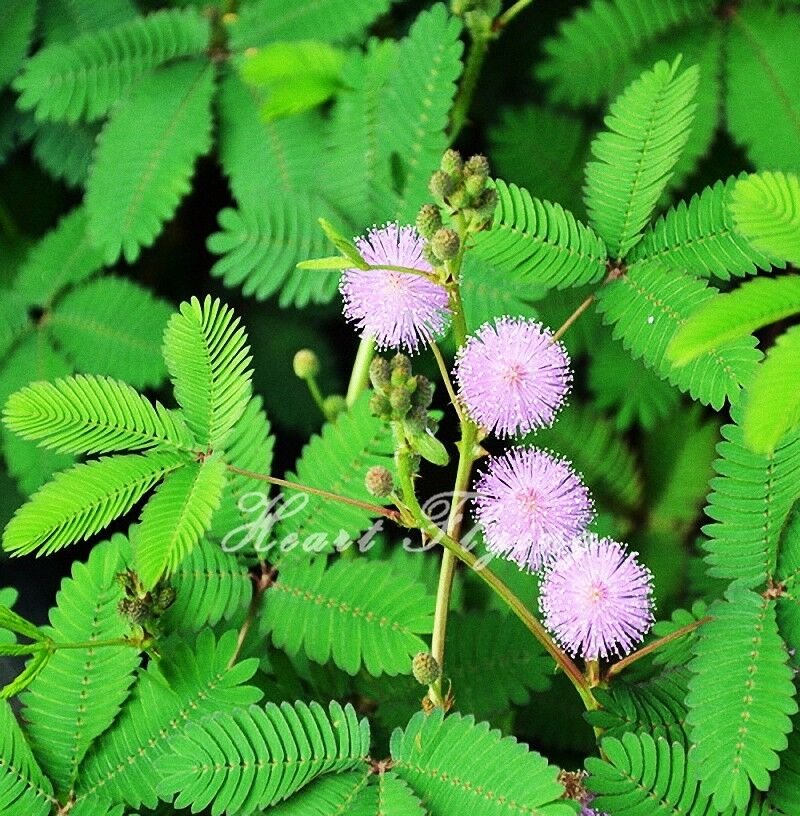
pixel 143 608
pixel 399 393
pixel 459 187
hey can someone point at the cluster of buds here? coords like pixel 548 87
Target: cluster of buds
pixel 404 398
pixel 140 607
pixel 460 189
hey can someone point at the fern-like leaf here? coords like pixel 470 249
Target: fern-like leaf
pixel 750 502
pixel 190 682
pixel 113 326
pixel 266 21
pixel 136 185
pixel 78 694
pixel 86 77
pixel 738 727
pixel 88 414
pixel 260 755
pixel 210 585
pixel 64 257
pixel 177 517
pixel 766 209
pixel 773 402
pixel 456 766
pixel 65 151
pixel 539 242
pixel 760 66
pixel 207 356
pixel 784 792
pixel 700 237
pixel 64 20
pixel 648 305
pixel 23 786
pixel 81 501
pixel 648 128
pixel 417 102
pixel 595 46
pixel 733 316
pixel 356 613
pixel 17 20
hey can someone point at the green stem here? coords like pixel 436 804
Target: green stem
pixel 562 330
pixel 479 45
pixel 408 269
pixel 136 643
pixel 316 395
pixel 359 378
pixel 509 14
pixel 448 383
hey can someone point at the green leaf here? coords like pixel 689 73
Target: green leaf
pixel 65 151
pixel 772 408
pixel 207 355
pixel 17 20
pixel 33 668
pixel 113 326
pixel 64 20
pixel 538 242
pixel 292 745
pixel 190 682
pixel 456 766
pixel 733 316
pixel 749 504
pixel 336 262
pixel 81 501
pixel 784 792
pixel 264 21
pixel 337 460
pixel 761 66
pixel 293 77
pixel 355 613
pixel 700 237
pixel 738 727
pixel 83 79
pixel 135 185
pixel 599 42
pixel 79 693
pixel 62 258
pixel 88 414
pixel 648 306
pixel 13 320
pixel 23 786
pixel 427 446
pixel 766 209
pixel 415 107
pixel 11 621
pixel 648 127
pixel 177 517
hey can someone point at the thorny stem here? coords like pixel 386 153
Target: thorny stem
pixel 654 646
pixel 371 508
pixel 359 378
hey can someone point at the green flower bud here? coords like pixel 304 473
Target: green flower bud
pixel 486 205
pixel 459 199
pixel 474 185
pixel 477 165
pixel 425 668
pixel 441 185
pixel 429 219
pixel 305 364
pixel 423 395
pixel 401 366
pixel 380 406
pixel 165 597
pixel 452 163
pixel 430 255
pixel 379 482
pixel 379 373
pixel 400 401
pixel 334 405
pixel 445 243
pixel 136 610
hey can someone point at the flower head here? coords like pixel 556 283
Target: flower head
pixel 597 599
pixel 399 309
pixel 512 376
pixel 531 505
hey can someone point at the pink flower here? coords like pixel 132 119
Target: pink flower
pixel 398 309
pixel 512 376
pixel 597 599
pixel 531 505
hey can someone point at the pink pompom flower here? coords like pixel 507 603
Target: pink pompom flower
pixel 512 376
pixel 597 599
pixel 398 309
pixel 531 505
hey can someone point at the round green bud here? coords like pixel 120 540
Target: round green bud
pixel 441 185
pixel 400 401
pixel 429 255
pixel 445 243
pixel 459 199
pixel 423 396
pixel 379 482
pixel 401 367
pixel 487 204
pixel 305 364
pixel 474 185
pixel 165 597
pixel 429 219
pixel 379 373
pixel 452 163
pixel 425 668
pixel 334 405
pixel 136 610
pixel 477 165
pixel 380 406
